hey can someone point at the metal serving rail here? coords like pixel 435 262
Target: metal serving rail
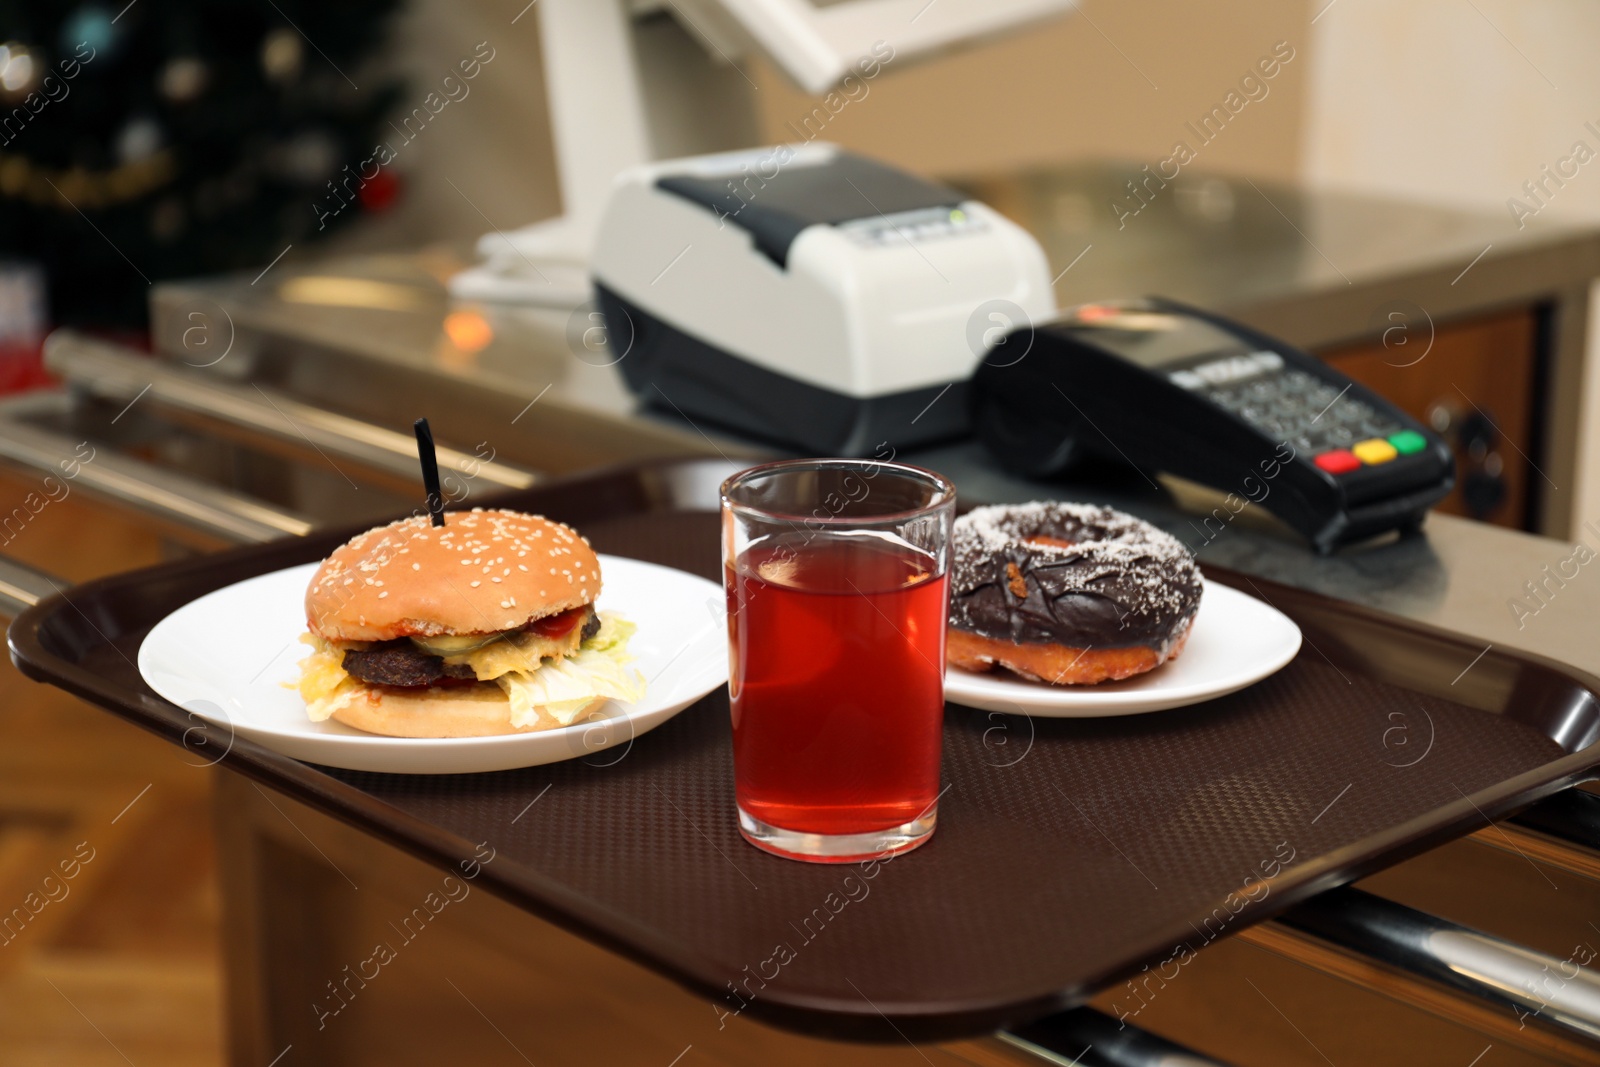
pixel 1516 983
pixel 261 417
pixel 1475 979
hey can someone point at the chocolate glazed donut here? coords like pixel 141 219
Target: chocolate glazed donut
pixel 1068 593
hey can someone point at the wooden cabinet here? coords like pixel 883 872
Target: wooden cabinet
pixel 1478 382
pixel 419 967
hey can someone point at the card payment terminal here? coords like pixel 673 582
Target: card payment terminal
pixel 1173 389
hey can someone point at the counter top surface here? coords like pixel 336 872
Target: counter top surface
pixel 1257 248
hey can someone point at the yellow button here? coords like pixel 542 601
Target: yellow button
pixel 1374 450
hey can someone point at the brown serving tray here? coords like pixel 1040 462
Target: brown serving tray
pixel 1069 852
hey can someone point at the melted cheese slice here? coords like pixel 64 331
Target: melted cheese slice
pixel 521 651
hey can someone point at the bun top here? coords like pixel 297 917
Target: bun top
pixel 481 571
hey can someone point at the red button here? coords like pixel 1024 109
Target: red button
pixel 1339 461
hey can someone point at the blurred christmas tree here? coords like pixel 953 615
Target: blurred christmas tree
pixel 170 138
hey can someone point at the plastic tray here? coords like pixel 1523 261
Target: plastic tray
pixel 1069 853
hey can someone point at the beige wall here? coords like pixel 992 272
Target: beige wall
pixel 1462 103
pixel 1108 81
pixel 1072 89
pixel 486 156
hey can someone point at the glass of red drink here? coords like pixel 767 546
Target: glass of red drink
pixel 837 576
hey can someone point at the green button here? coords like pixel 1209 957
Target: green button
pixel 1408 441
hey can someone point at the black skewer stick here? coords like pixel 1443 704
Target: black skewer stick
pixel 430 470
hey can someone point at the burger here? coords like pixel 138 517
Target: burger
pixel 485 625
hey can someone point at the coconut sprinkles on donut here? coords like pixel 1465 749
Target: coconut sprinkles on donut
pixel 1071 594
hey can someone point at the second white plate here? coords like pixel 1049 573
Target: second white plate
pixel 1236 641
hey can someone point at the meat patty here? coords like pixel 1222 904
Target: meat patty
pixel 591 625
pixel 402 663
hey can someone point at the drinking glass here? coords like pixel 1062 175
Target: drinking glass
pixel 837 577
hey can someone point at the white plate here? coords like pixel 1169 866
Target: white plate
pixel 225 657
pixel 1236 641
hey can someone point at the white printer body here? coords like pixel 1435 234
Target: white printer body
pixel 808 295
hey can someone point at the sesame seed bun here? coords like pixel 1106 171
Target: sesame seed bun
pixel 461 711
pixel 481 572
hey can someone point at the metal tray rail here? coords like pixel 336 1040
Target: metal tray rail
pixel 1572 817
pixel 1083 1037
pixel 1530 986
pixel 1515 995
pixel 172 500
pixel 263 417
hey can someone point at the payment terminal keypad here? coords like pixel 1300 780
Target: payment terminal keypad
pixel 1338 433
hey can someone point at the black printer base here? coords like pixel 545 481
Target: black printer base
pixel 675 371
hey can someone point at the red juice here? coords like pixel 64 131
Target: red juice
pixel 837 681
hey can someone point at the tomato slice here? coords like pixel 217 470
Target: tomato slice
pixel 558 625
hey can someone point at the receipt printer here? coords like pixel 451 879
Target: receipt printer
pixel 808 296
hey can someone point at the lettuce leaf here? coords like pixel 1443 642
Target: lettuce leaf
pixel 323 683
pixel 562 688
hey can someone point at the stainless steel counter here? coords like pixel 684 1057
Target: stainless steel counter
pixel 1316 268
